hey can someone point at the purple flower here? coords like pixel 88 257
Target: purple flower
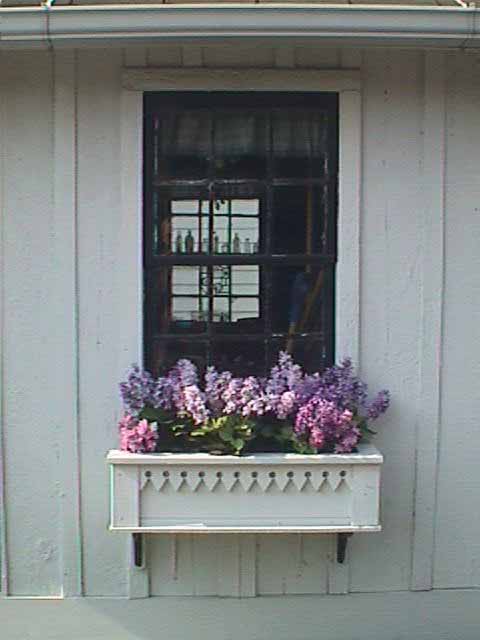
pixel 194 403
pixel 379 405
pixel 326 427
pixel 251 398
pixel 215 387
pixel 137 391
pixel 231 396
pixel 162 395
pixel 330 410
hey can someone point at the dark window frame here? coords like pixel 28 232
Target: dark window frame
pixel 155 103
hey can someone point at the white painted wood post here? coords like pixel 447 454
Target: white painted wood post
pixel 65 249
pixel 428 421
pixel 129 274
pixel 347 303
pixel 3 535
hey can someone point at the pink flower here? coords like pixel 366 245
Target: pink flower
pixel 137 437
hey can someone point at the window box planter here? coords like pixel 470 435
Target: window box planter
pixel 259 493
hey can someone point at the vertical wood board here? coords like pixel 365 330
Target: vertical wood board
pixel 103 304
pixel 3 537
pixel 66 354
pixel 457 525
pixel 33 420
pixel 390 286
pixel 428 419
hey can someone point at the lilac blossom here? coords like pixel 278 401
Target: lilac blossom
pixel 328 410
pixel 326 427
pixel 162 395
pixel 137 390
pixel 137 436
pixel 379 405
pixel 215 387
pixel 252 401
pixel 341 386
pixel 284 386
pixel 194 404
pixel 231 396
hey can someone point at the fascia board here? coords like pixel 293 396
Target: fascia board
pixel 107 24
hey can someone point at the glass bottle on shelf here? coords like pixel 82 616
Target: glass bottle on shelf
pixel 236 243
pixel 247 245
pixel 179 243
pixel 189 242
pixel 216 243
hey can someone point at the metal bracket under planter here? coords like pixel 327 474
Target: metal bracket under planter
pixel 139 546
pixel 259 493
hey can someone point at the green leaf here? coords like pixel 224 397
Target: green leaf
pixel 238 444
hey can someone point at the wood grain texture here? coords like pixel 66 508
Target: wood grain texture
pixel 398 273
pixel 232 79
pixel 217 56
pixel 303 566
pixel 128 280
pixel 102 305
pixel 428 421
pixel 457 525
pixel 317 57
pixel 135 57
pixel 164 56
pixel 64 244
pixel 33 418
pixel 390 290
pixel 3 536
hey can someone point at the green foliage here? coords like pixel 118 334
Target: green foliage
pixel 226 434
pixel 173 430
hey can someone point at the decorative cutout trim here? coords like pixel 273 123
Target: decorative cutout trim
pixel 265 479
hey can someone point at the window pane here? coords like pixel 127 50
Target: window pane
pixel 300 143
pixel 177 301
pixel 184 144
pixel 237 233
pixel 182 226
pixel 240 144
pixel 313 354
pixel 239 175
pixel 189 226
pixel 302 299
pixel 245 280
pixel 303 220
pixel 165 353
pixel 245 357
pixel 184 299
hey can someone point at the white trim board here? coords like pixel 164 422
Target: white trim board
pixel 347 83
pixel 201 79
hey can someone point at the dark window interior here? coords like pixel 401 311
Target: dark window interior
pixel 240 200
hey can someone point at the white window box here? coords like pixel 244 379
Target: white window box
pixel 274 493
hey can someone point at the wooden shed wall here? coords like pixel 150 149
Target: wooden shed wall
pixel 64 309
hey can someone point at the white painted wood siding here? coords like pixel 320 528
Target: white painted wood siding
pixel 65 343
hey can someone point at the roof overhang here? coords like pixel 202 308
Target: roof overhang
pixel 98 25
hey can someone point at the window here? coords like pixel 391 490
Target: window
pixel 240 199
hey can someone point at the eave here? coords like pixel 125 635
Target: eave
pixel 99 25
